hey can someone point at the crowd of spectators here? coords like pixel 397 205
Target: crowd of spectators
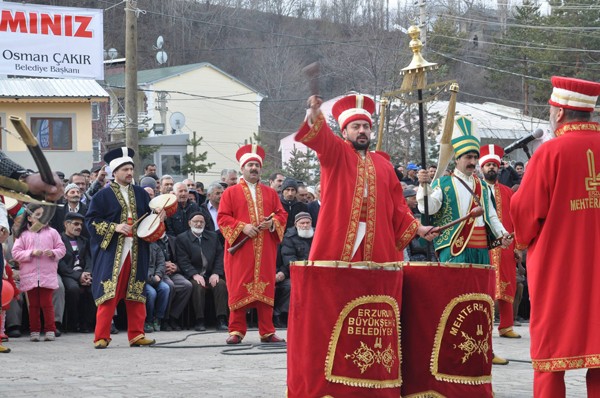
pixel 187 261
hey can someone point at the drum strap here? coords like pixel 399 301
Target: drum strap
pixel 466 228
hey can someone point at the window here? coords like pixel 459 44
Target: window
pixel 95 111
pixel 53 133
pixel 97 151
pixel 170 164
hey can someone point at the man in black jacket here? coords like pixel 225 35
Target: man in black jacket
pixel 200 256
pixel 178 222
pixel 290 203
pixel 75 270
pixel 295 246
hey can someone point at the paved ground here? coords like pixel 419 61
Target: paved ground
pixel 199 365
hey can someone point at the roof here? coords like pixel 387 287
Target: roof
pixel 51 88
pixel 150 76
pixel 495 121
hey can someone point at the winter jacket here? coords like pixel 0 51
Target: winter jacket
pixel 38 271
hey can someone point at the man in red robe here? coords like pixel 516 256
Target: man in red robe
pixel 503 260
pixel 245 211
pixel 361 194
pixel 557 216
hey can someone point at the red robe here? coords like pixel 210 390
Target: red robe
pixel 250 272
pixel 344 175
pixel 557 215
pixel 503 260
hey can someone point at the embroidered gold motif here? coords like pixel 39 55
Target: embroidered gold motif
pixel 256 288
pixel 472 346
pixel 364 357
pixel 371 207
pixel 110 287
pixel 460 241
pixel 100 227
pixel 108 236
pixel 408 235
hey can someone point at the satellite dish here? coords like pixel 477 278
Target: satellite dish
pixel 159 42
pixel 177 121
pixel 112 53
pixel 161 57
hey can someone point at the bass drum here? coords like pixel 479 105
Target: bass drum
pixel 447 323
pixel 344 330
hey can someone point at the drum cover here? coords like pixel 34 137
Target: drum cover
pixel 344 332
pixel 447 322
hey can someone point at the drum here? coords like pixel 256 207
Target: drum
pixel 167 201
pixel 8 292
pixel 447 322
pixel 344 329
pixel 151 228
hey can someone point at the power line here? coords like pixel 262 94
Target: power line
pixel 536 27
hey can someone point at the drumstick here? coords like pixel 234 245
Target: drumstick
pixel 476 212
pixel 238 245
pixel 161 210
pixel 139 219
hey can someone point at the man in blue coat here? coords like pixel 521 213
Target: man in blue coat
pixel 119 257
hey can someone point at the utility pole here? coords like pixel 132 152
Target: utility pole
pixel 423 23
pixel 131 108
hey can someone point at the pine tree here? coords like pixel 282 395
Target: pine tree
pixel 303 166
pixel 192 161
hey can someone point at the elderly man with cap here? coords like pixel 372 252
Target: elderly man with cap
pixel 75 269
pixel 295 246
pixel 120 259
pixel 557 215
pixel 503 260
pixel 251 209
pixel 73 204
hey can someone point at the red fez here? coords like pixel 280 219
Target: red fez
pixel 491 153
pixel 353 107
pixel 575 94
pixel 250 152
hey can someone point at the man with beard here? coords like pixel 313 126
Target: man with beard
pixel 503 260
pixel 557 215
pixel 245 210
pixel 366 219
pixel 368 216
pixel 454 196
pixel 120 259
pixel 295 246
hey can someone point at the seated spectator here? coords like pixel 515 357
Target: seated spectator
pixel 210 209
pixel 180 287
pixel 73 204
pixel 156 290
pixel 200 256
pixel 178 222
pixel 315 205
pixel 75 270
pixel 295 246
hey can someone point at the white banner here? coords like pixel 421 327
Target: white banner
pixel 47 41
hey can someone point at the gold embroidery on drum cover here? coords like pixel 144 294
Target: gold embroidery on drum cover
pixel 367 350
pixel 472 340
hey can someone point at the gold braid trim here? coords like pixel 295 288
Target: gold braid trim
pixel 408 235
pixel 314 130
pixel 371 207
pixel 231 234
pixel 359 191
pixel 426 394
pixel 568 363
pixel 279 228
pixel 577 126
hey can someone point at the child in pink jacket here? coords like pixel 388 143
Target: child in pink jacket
pixel 38 254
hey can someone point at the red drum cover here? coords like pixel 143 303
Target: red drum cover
pixel 343 332
pixel 447 323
